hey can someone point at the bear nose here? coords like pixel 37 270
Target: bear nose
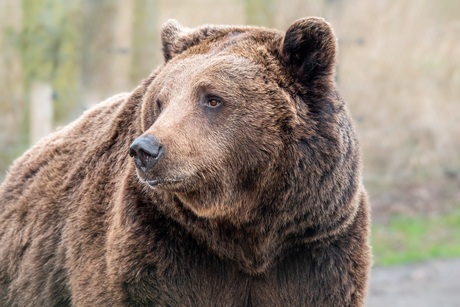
pixel 146 151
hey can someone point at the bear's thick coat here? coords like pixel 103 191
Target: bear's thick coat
pixel 256 199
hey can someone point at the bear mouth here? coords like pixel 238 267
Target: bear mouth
pixel 174 184
pixel 160 182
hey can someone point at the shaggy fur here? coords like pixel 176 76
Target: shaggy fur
pixel 255 202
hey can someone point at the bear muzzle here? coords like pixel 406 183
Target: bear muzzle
pixel 146 152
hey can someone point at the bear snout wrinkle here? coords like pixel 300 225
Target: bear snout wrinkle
pixel 146 152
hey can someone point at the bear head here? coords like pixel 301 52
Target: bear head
pixel 245 123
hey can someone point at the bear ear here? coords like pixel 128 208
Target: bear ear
pixel 171 31
pixel 309 49
pixel 176 39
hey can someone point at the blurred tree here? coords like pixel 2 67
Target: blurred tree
pixel 108 30
pixel 121 50
pixel 50 48
pixel 97 39
pixel 145 39
pixel 12 142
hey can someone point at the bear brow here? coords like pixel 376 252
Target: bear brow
pixel 203 86
pixel 229 41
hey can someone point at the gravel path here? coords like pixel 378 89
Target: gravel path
pixel 434 283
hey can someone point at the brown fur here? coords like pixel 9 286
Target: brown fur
pixel 259 201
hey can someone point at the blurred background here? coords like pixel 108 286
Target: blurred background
pixel 398 69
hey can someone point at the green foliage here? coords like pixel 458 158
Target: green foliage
pixel 408 239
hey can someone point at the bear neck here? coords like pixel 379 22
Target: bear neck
pixel 274 225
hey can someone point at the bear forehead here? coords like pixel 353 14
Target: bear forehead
pixel 214 69
pixel 261 46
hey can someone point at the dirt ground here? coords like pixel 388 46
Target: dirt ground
pixel 435 283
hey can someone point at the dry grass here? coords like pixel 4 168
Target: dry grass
pixel 403 86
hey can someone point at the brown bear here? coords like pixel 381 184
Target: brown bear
pixel 230 177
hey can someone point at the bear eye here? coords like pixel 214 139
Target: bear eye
pixel 213 103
